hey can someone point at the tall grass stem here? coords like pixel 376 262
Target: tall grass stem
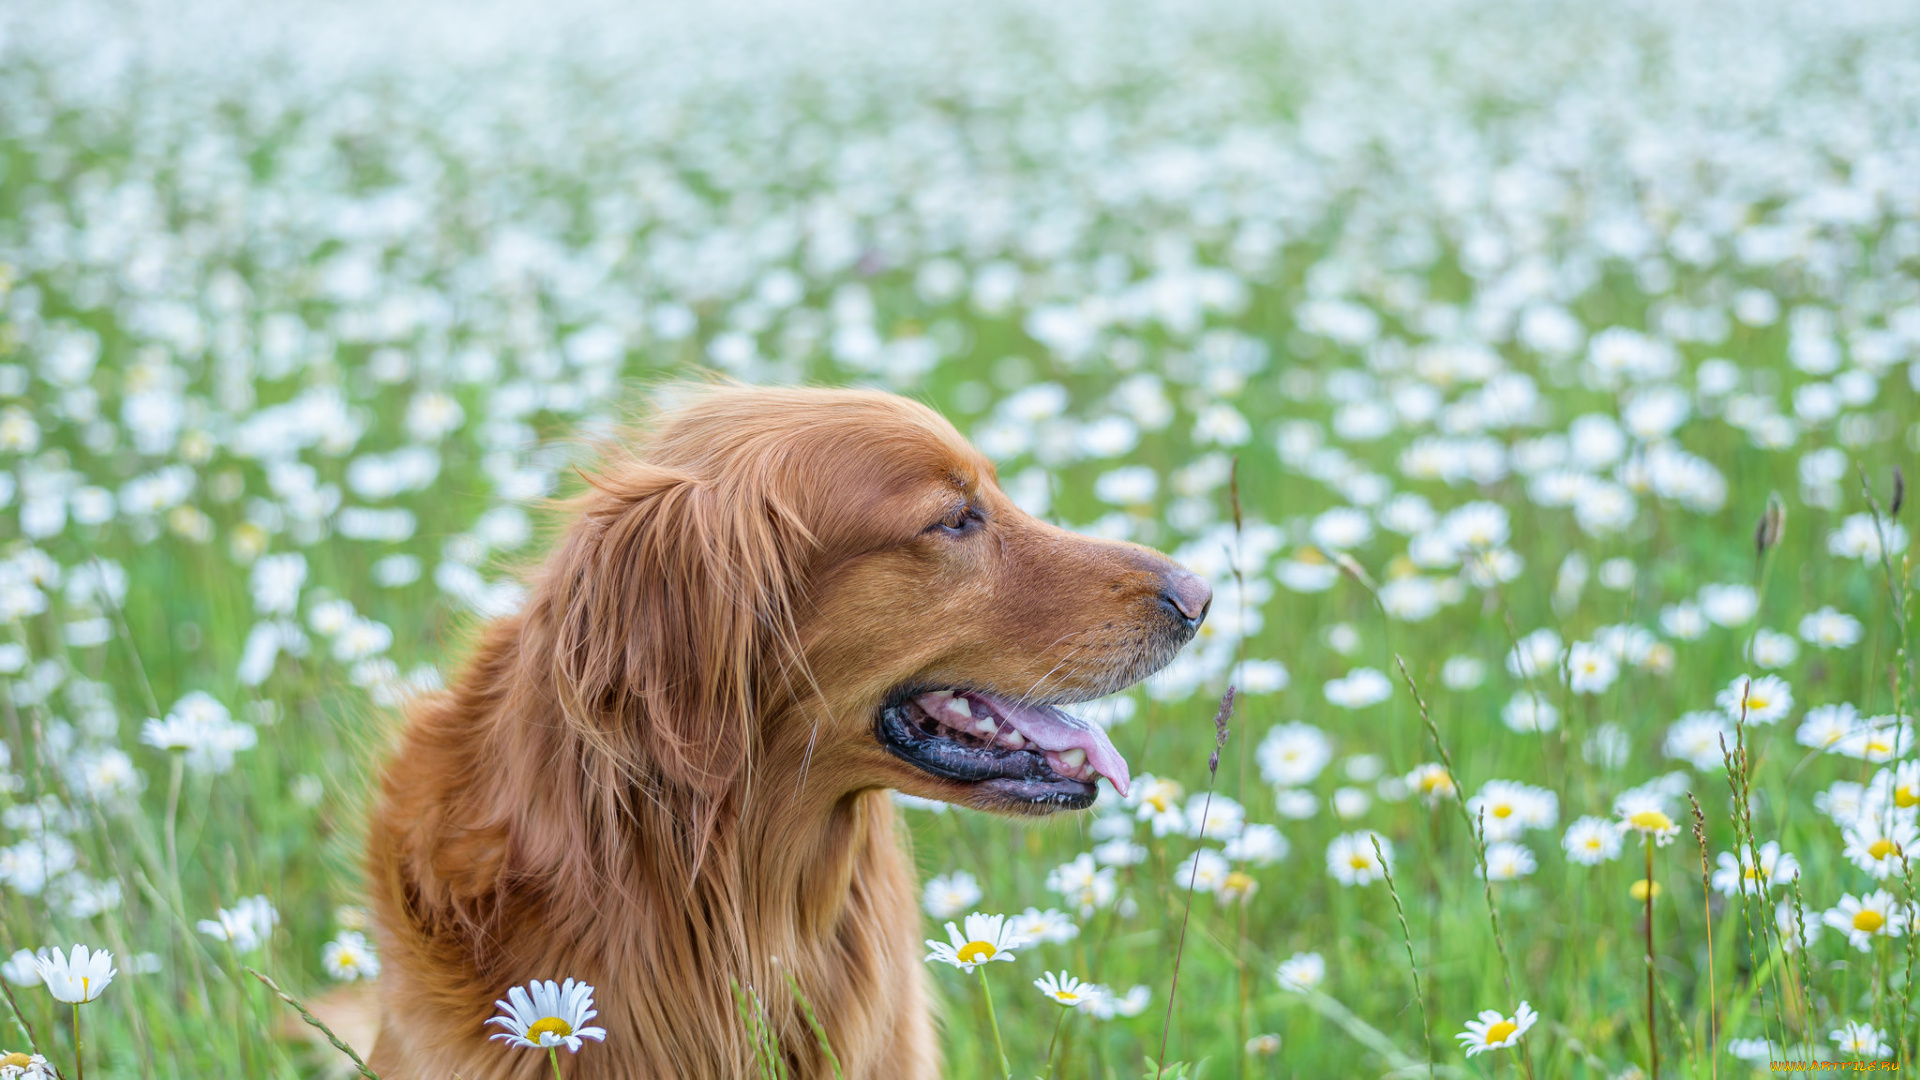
pixel 314 1021
pixel 1406 936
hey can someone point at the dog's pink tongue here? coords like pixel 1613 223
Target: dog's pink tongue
pixel 1050 729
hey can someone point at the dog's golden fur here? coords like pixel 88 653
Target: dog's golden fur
pixel 661 776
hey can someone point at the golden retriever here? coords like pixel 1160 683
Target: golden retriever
pixel 669 772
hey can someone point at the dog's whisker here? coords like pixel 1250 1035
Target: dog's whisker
pixel 1029 697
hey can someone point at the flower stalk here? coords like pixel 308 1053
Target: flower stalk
pixel 1653 1039
pixel 1000 1048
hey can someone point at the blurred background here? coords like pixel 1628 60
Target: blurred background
pixel 1511 318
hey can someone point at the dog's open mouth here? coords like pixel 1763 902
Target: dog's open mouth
pixel 1032 753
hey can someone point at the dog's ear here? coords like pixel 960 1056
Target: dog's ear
pixel 672 596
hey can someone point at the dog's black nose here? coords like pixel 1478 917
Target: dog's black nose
pixel 1189 594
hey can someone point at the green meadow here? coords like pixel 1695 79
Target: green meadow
pixel 1532 382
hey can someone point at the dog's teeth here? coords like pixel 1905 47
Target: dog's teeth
pixel 1013 739
pixel 959 706
pixel 1073 759
pixel 986 726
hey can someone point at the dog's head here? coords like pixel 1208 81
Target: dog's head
pixel 833 582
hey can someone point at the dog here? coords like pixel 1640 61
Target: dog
pixel 668 773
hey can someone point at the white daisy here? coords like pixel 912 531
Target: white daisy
pixel 1830 629
pixel 1864 918
pixel 1508 861
pixel 1591 841
pixel 1861 537
pixel 1825 725
pixel 1698 739
pixel 1293 754
pixel 1736 873
pixel 1063 989
pixel 1534 655
pixel 349 957
pixel 1508 809
pixel 1878 739
pixel 1351 858
pixel 1104 1004
pixel 1463 672
pixel 1205 869
pixel 542 1015
pixel 1905 783
pixel 1729 605
pixel 1083 883
pixel 1763 700
pixel 77 977
pixel 19 1066
pixel 247 924
pixel 1259 845
pixel 1792 930
pixel 1214 817
pixel 947 895
pixel 1857 1038
pixel 1431 782
pixel 1051 926
pixel 1120 851
pixel 1156 800
pixel 1494 1031
pixel 1529 713
pixel 1646 813
pixel 1880 848
pixel 1590 668
pixel 1755 1052
pixel 21 969
pixel 1843 802
pixel 1302 972
pixel 1359 688
pixel 1683 621
pixel 1772 649
pixel 988 938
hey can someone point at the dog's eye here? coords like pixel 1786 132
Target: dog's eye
pixel 959 520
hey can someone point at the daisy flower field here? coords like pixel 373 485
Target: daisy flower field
pixel 1538 388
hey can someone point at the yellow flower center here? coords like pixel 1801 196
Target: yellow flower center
pixel 1878 746
pixel 16 1059
pixel 1066 997
pixel 1882 848
pixel 1503 811
pixel 1501 1031
pixel 1906 796
pixel 1638 890
pixel 1753 873
pixel 976 952
pixel 1869 921
pixel 551 1024
pixel 1239 882
pixel 1359 862
pixel 1757 702
pixel 1651 821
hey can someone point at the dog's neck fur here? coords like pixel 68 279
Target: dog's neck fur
pixel 510 848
